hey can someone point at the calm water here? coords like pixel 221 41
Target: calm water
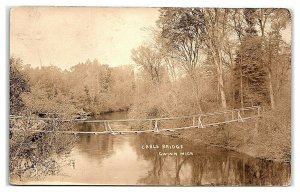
pixel 121 159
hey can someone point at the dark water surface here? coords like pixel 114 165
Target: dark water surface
pixel 123 160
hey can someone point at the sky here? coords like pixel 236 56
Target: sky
pixel 65 36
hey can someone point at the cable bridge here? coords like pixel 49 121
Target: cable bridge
pixel 154 125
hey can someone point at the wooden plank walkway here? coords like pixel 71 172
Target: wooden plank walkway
pixel 198 121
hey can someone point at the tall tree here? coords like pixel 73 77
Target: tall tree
pixel 215 31
pixel 181 30
pixel 250 70
pixel 278 19
pixel 150 60
pixel 18 85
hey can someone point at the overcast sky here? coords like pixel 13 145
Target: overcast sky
pixel 66 36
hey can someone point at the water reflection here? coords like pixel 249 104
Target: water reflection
pixel 120 159
pixel 209 166
pixel 212 166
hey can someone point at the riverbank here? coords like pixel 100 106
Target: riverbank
pixel 244 138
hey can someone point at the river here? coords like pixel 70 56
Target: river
pixel 128 160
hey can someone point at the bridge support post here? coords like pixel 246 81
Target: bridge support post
pixel 156 126
pixel 240 117
pixel 105 126
pixel 193 121
pixel 111 131
pixel 150 124
pixel 200 122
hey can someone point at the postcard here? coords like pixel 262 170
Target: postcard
pixel 150 96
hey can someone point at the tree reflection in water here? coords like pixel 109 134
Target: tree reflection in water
pixel 120 159
pixel 208 166
pixel 100 146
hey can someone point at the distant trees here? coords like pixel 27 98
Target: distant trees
pixel 122 88
pixel 50 90
pixel 89 86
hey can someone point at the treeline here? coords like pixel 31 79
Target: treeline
pixel 198 60
pixel 89 86
pixel 202 59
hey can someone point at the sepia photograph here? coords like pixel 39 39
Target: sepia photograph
pixel 169 96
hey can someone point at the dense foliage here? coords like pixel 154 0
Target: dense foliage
pixel 88 86
pixel 221 59
pixel 18 84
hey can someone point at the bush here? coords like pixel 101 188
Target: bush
pixel 35 154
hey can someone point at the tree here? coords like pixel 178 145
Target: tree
pixel 181 31
pixel 215 31
pixel 91 85
pixel 190 31
pixel 250 70
pixel 274 54
pixel 150 60
pixel 50 90
pixel 18 85
pixel 261 44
